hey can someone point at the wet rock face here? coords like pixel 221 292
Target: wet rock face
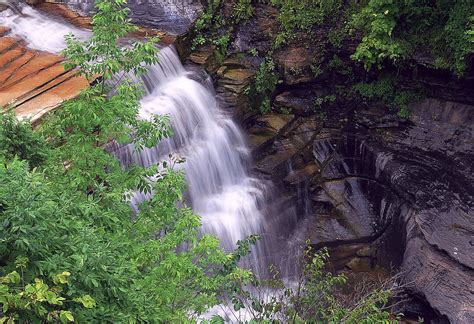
pixel 438 165
pixel 402 190
pixel 174 16
pixel 295 64
pixel 169 15
pixel 378 190
pixel 258 32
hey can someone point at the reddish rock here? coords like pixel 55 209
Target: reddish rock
pixel 9 71
pixel 38 106
pixel 38 62
pixel 66 13
pixel 34 82
pixel 258 31
pixel 11 55
pixel 4 30
pixel 7 43
pixel 28 85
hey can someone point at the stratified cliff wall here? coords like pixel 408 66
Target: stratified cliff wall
pixel 382 191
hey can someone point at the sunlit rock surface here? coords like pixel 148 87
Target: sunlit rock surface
pixel 33 82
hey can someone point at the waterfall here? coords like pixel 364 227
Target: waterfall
pixel 220 188
pixel 38 30
pixel 231 201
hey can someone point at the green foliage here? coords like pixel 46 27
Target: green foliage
pixel 395 30
pixel 314 297
pixel 336 36
pixel 378 19
pixel 213 5
pixel 130 273
pixel 280 39
pixel 207 21
pixel 253 51
pixel 266 78
pixel 242 10
pixel 36 301
pixel 387 90
pixel 203 21
pixel 457 41
pixel 71 213
pixel 101 55
pixel 470 30
pixel 222 43
pixel 18 139
pixel 199 40
pixel 302 16
pixel 379 89
pixel 320 101
pixel 70 249
pixel 94 118
pixel 263 85
pixel 390 30
pixel 322 105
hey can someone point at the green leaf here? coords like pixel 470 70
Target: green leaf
pixel 86 300
pixel 62 278
pixel 66 316
pixel 13 277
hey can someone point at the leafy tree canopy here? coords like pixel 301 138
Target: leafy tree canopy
pixel 70 249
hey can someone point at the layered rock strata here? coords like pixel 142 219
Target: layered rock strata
pixel 33 82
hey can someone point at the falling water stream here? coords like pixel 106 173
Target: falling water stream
pixel 38 30
pixel 220 188
pixel 231 202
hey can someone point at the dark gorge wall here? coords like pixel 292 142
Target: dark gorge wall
pixel 382 191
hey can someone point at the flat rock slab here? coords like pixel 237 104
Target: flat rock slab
pixel 32 82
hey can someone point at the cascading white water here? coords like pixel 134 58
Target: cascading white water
pixel 39 31
pixel 220 189
pixel 231 203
